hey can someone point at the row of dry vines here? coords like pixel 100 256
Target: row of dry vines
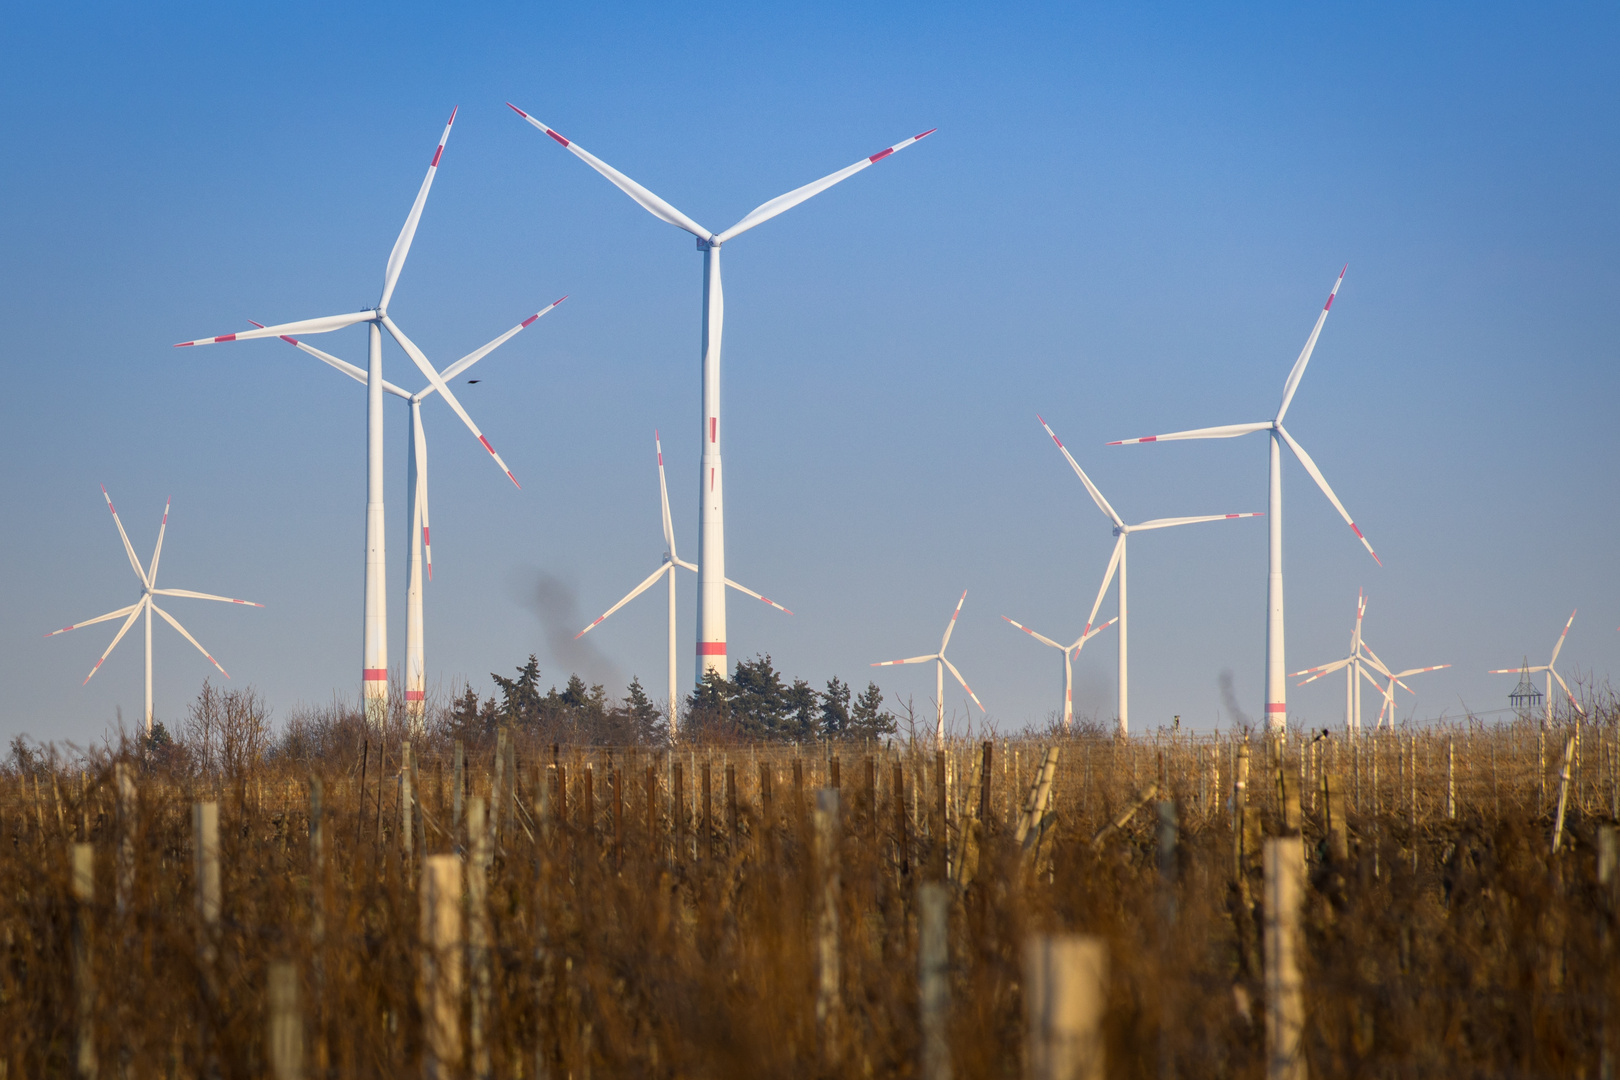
pixel 673 914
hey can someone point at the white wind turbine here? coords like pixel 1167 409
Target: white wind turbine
pixel 1389 691
pixel 1352 667
pixel 148 604
pixel 419 540
pixel 1117 561
pixel 1070 654
pixel 374 671
pixel 940 664
pixel 671 561
pixel 1552 673
pixel 1276 674
pixel 711 637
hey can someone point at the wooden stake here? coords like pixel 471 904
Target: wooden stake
pixel 934 980
pixel 1065 998
pixel 125 882
pixel 1563 794
pixel 479 831
pixel 84 978
pixel 284 1034
pixel 828 996
pixel 438 985
pixel 1285 991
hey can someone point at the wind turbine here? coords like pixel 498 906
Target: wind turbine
pixel 711 637
pixel 148 604
pixel 939 673
pixel 1351 665
pixel 1117 561
pixel 1552 673
pixel 671 561
pixel 1276 674
pixel 1070 653
pixel 419 538
pixel 1355 667
pixel 374 670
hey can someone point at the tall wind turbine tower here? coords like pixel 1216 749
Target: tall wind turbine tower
pixel 711 605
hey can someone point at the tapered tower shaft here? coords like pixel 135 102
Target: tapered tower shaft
pixel 1276 677
pixel 149 664
pixel 1124 646
pixel 374 674
pixel 415 625
pixel 711 604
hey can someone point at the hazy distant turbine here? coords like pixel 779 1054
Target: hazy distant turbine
pixel 940 664
pixel 146 605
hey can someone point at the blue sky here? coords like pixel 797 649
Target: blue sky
pixel 1126 222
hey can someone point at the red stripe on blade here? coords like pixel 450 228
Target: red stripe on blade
pixel 881 154
pixel 556 136
pixel 485 441
pixel 530 319
pixel 714 428
pixel 227 337
pixel 1150 438
pixel 434 164
pixel 517 110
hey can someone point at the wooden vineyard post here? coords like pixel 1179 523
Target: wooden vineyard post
pixel 828 997
pixel 284 1029
pixel 678 810
pixel 941 831
pixel 869 812
pixel 1065 998
pixel 1563 794
pixel 84 979
pixel 407 833
pixel 458 785
pixel 618 815
pixel 125 881
pixel 478 934
pixel 706 823
pixel 205 854
pixel 1451 778
pixel 732 822
pixel 317 914
pixel 438 985
pixel 767 815
pixel 902 826
pixel 1337 827
pixel 934 980
pixel 1285 991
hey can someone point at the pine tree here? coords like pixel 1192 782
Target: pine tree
pixel 708 707
pixel 646 721
pixel 834 709
pixel 520 697
pixel 868 720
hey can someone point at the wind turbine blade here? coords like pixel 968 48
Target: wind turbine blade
pixel 1298 371
pixel 307 326
pixel 1328 670
pixel 765 211
pixel 1108 578
pixel 1096 496
pixel 402 245
pixel 667 568
pixel 129 549
pixel 1519 670
pixel 1420 671
pixel 1165 523
pixel 683 564
pixel 134 614
pixel 419 445
pixel 478 354
pixel 756 596
pixel 1321 482
pixel 907 660
pixel 157 553
pixel 204 596
pixel 1372 658
pixel 1089 634
pixel 1320 668
pixel 99 618
pixel 170 619
pixel 427 369
pixel 1559 646
pixel 663 498
pixel 1033 634
pixel 950 627
pixel 1567 694
pixel 963 681
pixel 649 202
pixel 1229 431
pixel 358 374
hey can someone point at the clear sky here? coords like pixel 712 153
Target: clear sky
pixel 1127 221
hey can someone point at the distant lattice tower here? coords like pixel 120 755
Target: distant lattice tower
pixel 1526 699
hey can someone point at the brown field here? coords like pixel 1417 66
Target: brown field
pixel 660 913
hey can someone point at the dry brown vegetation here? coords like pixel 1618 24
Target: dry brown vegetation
pixel 655 912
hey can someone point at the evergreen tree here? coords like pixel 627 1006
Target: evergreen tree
pixel 520 697
pixel 646 722
pixel 834 709
pixel 708 707
pixel 868 720
pixel 802 712
pixel 759 704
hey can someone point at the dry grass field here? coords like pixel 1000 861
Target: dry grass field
pixel 683 912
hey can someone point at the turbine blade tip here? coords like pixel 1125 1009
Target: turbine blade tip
pixel 517 110
pixel 453 110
